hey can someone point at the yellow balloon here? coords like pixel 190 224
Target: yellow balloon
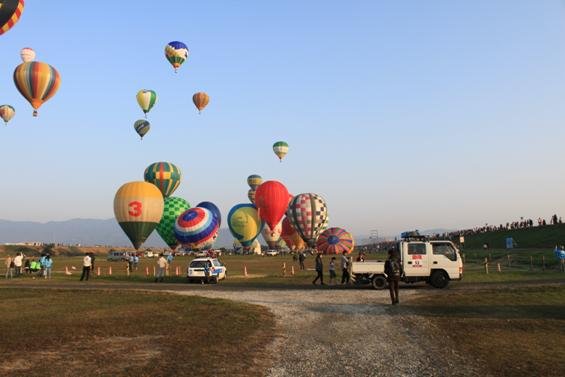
pixel 244 223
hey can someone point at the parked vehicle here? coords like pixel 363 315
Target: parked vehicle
pixel 118 256
pixel 271 253
pixel 432 261
pixel 196 270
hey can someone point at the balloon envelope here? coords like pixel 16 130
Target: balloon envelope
pixel 272 236
pixel 254 181
pixel 138 207
pixel 281 149
pixel 244 223
pixel 146 99
pixel 271 199
pixel 308 214
pixel 142 127
pixel 291 236
pixel 251 195
pixel 200 100
pixel 10 12
pixel 335 241
pixel 196 228
pixel 27 54
pixel 212 208
pixel 174 207
pixel 37 82
pixel 7 112
pixel 165 175
pixel 176 53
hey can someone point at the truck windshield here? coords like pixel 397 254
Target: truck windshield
pixel 445 249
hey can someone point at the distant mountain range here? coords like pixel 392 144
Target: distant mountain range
pixel 89 232
pixel 83 232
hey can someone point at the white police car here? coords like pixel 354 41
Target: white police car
pixel 197 270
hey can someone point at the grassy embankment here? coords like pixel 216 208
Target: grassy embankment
pixel 84 332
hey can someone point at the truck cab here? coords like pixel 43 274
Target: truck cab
pixel 435 261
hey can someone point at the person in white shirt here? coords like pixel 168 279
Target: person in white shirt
pixel 161 267
pixel 18 262
pixel 86 264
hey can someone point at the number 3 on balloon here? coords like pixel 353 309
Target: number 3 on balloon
pixel 134 209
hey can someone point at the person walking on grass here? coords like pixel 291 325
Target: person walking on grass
pixel 9 263
pixel 47 267
pixel 319 270
pixel 333 275
pixel 86 265
pixel 344 269
pixel 301 258
pixel 393 272
pixel 161 267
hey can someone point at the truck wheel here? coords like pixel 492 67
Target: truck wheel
pixel 379 282
pixel 439 279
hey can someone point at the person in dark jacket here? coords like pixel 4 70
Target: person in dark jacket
pixel 393 271
pixel 319 270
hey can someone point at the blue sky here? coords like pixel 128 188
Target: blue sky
pixel 402 114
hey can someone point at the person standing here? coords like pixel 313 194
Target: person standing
pixel 18 261
pixel 86 265
pixel 47 267
pixel 333 275
pixel 393 272
pixel 319 270
pixel 344 269
pixel 161 267
pixel 92 258
pixel 9 263
pixel 301 258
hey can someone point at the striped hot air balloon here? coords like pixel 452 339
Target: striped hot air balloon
pixel 254 181
pixel 244 223
pixel 138 207
pixel 174 207
pixel 142 127
pixel 165 175
pixel 200 100
pixel 335 241
pixel 10 13
pixel 7 112
pixel 146 100
pixel 308 213
pixel 281 149
pixel 212 208
pixel 37 82
pixel 176 53
pixel 291 236
pixel 196 228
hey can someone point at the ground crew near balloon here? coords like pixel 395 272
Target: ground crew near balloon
pixel 319 270
pixel 162 265
pixel 393 270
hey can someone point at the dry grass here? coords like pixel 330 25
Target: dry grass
pixel 116 333
pixel 511 332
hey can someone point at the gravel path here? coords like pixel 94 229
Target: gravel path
pixel 350 333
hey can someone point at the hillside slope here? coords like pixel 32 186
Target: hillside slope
pixel 537 237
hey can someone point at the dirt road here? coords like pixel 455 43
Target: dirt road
pixel 350 333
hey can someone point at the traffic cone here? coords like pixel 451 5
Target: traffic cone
pixel 177 271
pixel 154 273
pixel 292 270
pixel 245 270
pixel 110 270
pixel 67 272
pixel 147 271
pixel 98 271
pixel 284 269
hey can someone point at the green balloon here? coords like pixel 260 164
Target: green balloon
pixel 166 228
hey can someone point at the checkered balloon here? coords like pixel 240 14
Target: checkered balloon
pixel 308 214
pixel 173 208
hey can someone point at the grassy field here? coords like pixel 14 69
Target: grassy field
pixel 511 332
pixel 536 237
pixel 84 332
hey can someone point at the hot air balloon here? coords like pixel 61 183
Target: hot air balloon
pixel 281 149
pixel 272 236
pixel 174 207
pixel 7 112
pixel 212 208
pixel 308 213
pixel 37 82
pixel 251 195
pixel 27 54
pixel 335 241
pixel 176 53
pixel 146 100
pixel 291 236
pixel 254 181
pixel 271 200
pixel 200 100
pixel 10 12
pixel 165 175
pixel 138 207
pixel 142 127
pixel 196 228
pixel 244 223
